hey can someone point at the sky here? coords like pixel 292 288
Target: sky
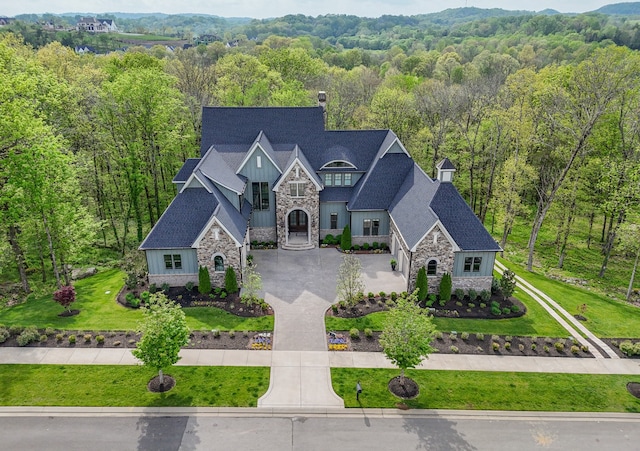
pixel 260 9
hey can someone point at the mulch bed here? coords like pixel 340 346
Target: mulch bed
pixel 155 386
pixel 405 389
pixel 454 308
pixel 519 346
pixel 614 344
pixel 634 389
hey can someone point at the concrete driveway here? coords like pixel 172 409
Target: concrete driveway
pixel 301 286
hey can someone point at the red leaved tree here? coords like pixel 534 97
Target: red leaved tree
pixel 65 296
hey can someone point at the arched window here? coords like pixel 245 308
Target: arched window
pixel 432 267
pixel 218 263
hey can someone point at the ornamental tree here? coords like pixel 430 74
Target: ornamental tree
pixel 65 296
pixel 407 333
pixel 422 284
pixel 349 282
pixel 230 280
pixel 508 283
pixel 164 331
pixel 251 285
pixel 345 239
pixel 445 288
pixel 204 280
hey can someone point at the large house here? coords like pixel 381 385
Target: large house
pixel 93 25
pixel 276 174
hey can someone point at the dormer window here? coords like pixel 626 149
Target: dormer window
pixel 338 164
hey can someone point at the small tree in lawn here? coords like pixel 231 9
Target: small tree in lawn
pixel 445 288
pixel 251 284
pixel 204 280
pixel 164 331
pixel 65 296
pixel 230 280
pixel 350 282
pixel 508 283
pixel 407 334
pixel 345 240
pixel 422 284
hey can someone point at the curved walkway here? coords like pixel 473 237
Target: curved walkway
pixel 552 307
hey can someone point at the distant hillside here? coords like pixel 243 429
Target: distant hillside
pixel 453 16
pixel 622 9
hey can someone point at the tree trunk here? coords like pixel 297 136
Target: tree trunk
pixel 56 272
pixel 161 375
pixel 608 247
pixel 19 256
pixel 633 275
pixel 592 216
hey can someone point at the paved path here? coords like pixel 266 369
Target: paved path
pixel 555 310
pixel 301 395
pixel 301 286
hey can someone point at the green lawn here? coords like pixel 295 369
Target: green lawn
pixel 119 386
pixel 99 310
pixel 474 390
pixel 606 317
pixel 536 322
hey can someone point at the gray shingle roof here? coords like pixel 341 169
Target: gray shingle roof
pixel 336 194
pixel 214 166
pixel 186 170
pixel 410 209
pixel 460 221
pixel 172 230
pixel 445 164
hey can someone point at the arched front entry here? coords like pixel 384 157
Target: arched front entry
pixel 298 225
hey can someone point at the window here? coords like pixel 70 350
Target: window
pixel 337 179
pixel 338 164
pixel 371 227
pixel 172 261
pixel 347 179
pixel 296 189
pixel 334 221
pixel 259 161
pixel 218 263
pixel 472 264
pixel 432 267
pixel 260 195
pixel 328 179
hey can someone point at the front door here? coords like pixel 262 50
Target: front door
pixel 297 221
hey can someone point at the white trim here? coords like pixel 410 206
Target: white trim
pixel 438 224
pixel 194 176
pixel 205 229
pixel 397 140
pixel 286 223
pixel 291 166
pixel 250 153
pixel 399 233
pixel 351 165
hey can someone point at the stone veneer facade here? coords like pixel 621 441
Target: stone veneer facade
pixel 263 234
pixel 225 246
pixel 174 280
pixel 309 203
pixel 434 245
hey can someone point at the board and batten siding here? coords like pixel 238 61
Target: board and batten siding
pixel 266 173
pixel 486 267
pixel 326 208
pixel 155 261
pixel 358 217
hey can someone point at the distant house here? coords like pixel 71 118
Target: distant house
pixel 82 49
pixel 5 21
pixel 276 174
pixel 93 25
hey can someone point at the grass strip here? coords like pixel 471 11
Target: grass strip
pixel 125 386
pixel 476 390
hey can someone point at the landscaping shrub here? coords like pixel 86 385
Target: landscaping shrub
pixel 438 335
pixel 43 338
pixel 495 346
pixel 458 303
pixel 458 292
pixel 521 347
pixel 546 349
pixel 422 284
pixel 496 311
pixel 4 334
pixel 328 239
pixel 375 245
pixel 100 339
pixel 495 286
pixel 471 305
pixel 630 349
pixel 165 287
pixel 370 295
pixel 473 294
pixel 394 295
pixel 445 288
pixel 559 346
pixel 453 336
pixel 431 299
pixel 575 349
pixel 59 337
pixel 506 310
pixel 464 336
pixel 216 333
pixel 144 296
pixel 189 286
pixel 49 331
pixel 354 334
pixel 230 280
pixel 72 339
pixel 368 333
pixel 153 288
pixel 508 283
pixel 345 239
pixel 485 296
pixel 204 280
pixel 495 337
pixel 584 348
pixel 365 246
pixel 454 349
pixel 382 294
pixel 508 338
pixel 87 338
pixel 334 308
pixel 117 343
pixel 28 335
pixel 515 309
pixel 507 346
pixel 232 333
pixel 533 346
pixel 356 247
pixel 480 337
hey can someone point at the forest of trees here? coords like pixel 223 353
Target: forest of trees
pixel 544 128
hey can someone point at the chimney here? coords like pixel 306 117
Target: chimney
pixel 322 103
pixel 445 170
